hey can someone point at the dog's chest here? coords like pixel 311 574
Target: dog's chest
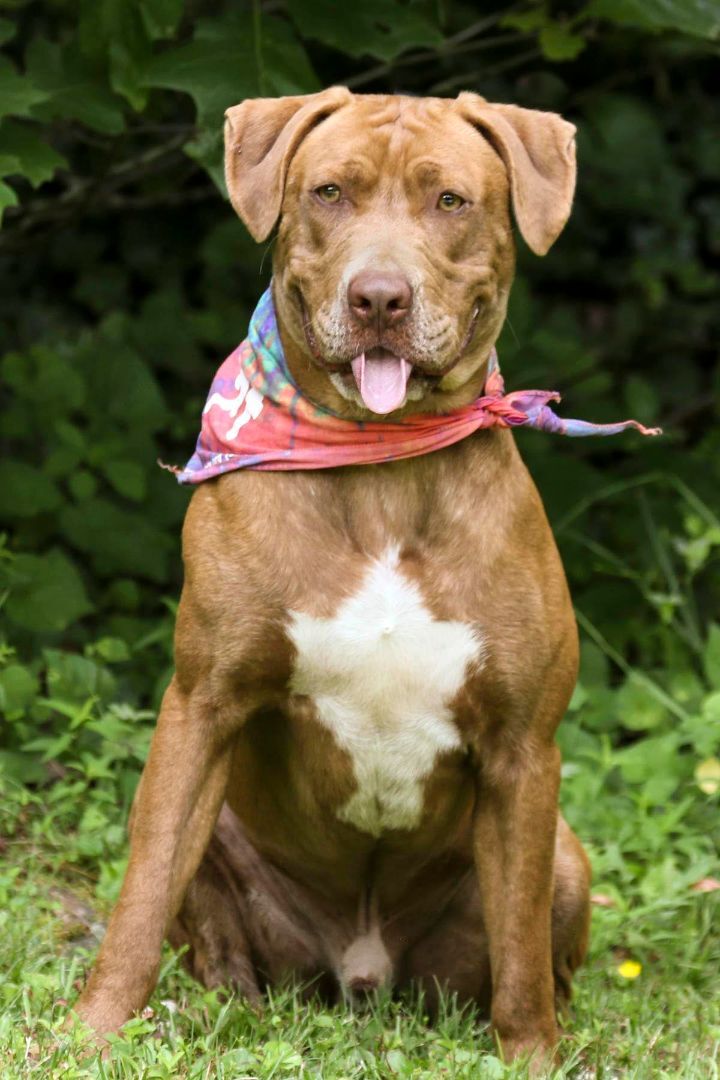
pixel 381 673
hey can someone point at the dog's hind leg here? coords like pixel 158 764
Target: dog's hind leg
pixel 240 923
pixel 570 911
pixel 210 926
pixel 454 954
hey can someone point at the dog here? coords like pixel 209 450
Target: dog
pixel 354 779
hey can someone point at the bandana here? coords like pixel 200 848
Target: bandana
pixel 256 417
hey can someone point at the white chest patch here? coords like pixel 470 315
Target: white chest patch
pixel 381 673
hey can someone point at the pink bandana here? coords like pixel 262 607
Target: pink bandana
pixel 256 417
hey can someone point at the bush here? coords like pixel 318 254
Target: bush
pixel 127 280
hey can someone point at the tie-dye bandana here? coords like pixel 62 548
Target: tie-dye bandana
pixel 256 417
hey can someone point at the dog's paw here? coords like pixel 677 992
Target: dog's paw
pixel 538 1051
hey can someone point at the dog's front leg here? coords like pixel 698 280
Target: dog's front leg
pixel 177 803
pixel 515 826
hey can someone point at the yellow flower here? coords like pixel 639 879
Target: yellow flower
pixel 629 969
pixel 707 775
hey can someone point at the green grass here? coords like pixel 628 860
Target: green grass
pixel 665 1023
pixel 641 788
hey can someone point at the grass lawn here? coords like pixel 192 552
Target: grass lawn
pixel 664 1022
pixel 644 801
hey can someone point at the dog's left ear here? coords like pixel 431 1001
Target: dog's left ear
pixel 261 136
pixel 538 151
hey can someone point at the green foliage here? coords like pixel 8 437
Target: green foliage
pixel 126 281
pixel 68 734
pixel 700 18
pixel 374 28
pixel 46 592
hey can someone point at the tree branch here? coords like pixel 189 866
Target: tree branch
pixel 84 193
pixel 452 46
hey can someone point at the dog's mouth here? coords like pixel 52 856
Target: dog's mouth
pixel 382 378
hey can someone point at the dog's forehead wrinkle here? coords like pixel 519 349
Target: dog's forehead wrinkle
pixel 425 169
pixel 361 170
pixel 383 110
pixel 386 135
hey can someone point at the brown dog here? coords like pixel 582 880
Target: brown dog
pixel 354 777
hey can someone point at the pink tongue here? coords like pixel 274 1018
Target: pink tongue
pixel 382 381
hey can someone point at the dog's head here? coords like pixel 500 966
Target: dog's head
pixel 395 254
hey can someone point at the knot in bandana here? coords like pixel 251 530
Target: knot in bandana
pixel 256 417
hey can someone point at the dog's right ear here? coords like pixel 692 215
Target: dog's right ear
pixel 261 136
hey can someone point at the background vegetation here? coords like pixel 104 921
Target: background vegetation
pixel 127 279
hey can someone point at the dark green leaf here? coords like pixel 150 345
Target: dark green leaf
pixel 73 678
pixel 127 477
pixel 112 650
pixel 10 165
pixel 286 68
pixel 7 30
pixel 46 381
pixel 82 484
pixel 25 491
pixel 533 19
pixel 700 18
pixel 207 149
pixel 711 656
pixel 73 88
pixel 379 28
pixel 160 17
pixel 220 66
pixel 115 28
pixel 216 71
pixel 622 145
pixel 654 764
pixel 22 768
pixel 7 198
pixel 559 43
pixel 18 689
pixel 47 592
pixel 642 399
pixel 18 93
pixel 35 158
pixel 123 382
pixel 118 541
pixel 637 709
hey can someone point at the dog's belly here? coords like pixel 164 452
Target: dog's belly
pixel 381 674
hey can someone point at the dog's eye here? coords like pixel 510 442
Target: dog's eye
pixel 450 201
pixel 329 193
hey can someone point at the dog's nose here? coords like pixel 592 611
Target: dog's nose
pixel 382 298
